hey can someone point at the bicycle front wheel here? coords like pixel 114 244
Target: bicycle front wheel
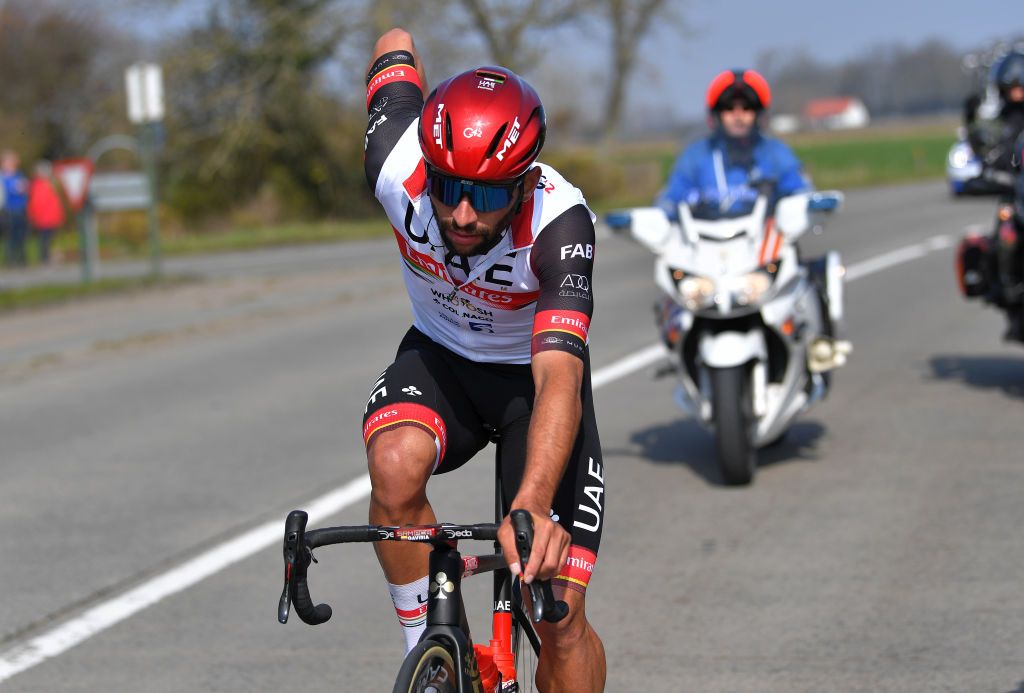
pixel 428 668
pixel 526 647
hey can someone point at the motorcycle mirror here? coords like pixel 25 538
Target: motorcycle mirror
pixel 826 201
pixel 650 227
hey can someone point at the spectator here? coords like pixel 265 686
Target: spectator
pixel 15 222
pixel 45 209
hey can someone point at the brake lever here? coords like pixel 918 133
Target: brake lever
pixel 544 605
pixel 296 559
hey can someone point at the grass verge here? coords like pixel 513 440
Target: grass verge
pixel 49 294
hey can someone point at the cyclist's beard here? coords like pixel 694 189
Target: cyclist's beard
pixel 489 235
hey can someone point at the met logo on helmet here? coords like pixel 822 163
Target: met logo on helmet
pixel 437 125
pixel 513 137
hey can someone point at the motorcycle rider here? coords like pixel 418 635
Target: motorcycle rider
pixel 721 173
pixel 992 140
pixel 999 142
pixel 724 167
pixel 1007 271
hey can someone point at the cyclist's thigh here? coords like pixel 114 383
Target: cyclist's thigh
pixel 580 499
pixel 419 389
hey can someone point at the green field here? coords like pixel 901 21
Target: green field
pixel 35 296
pixel 854 162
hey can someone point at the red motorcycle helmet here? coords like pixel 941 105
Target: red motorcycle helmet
pixel 730 85
pixel 485 124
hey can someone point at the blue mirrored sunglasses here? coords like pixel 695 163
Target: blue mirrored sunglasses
pixel 483 197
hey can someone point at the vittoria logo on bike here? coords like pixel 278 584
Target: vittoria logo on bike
pixel 415 533
pixel 405 414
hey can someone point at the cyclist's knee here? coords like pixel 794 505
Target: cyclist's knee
pixel 400 462
pixel 572 629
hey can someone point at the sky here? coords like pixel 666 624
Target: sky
pixel 732 33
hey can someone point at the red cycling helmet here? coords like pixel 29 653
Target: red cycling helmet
pixel 485 124
pixel 739 84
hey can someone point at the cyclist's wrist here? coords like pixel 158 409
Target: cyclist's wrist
pixel 534 506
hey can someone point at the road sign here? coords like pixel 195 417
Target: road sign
pixel 118 192
pixel 145 86
pixel 74 175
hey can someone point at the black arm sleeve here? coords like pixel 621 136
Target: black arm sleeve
pixel 394 98
pixel 563 260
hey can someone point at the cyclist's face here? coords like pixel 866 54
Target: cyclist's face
pixel 467 231
pixel 738 119
pixel 1015 95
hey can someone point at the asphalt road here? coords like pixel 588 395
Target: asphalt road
pixel 878 550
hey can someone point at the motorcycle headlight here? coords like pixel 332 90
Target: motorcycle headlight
pixel 751 288
pixel 959 157
pixel 697 292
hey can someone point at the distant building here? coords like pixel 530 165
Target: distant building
pixel 784 123
pixel 839 113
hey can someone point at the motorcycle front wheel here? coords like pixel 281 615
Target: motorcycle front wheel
pixel 734 422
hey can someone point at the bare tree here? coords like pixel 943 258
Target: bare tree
pixel 504 26
pixel 248 116
pixel 61 77
pixel 629 21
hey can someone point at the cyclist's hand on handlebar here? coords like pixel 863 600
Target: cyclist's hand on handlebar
pixel 547 555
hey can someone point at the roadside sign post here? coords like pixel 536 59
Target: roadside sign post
pixel 74 176
pixel 144 84
pixel 88 246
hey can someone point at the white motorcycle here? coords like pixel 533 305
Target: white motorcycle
pixel 750 328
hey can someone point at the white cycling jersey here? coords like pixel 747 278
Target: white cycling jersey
pixel 500 307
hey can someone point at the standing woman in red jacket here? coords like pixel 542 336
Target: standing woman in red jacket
pixel 45 209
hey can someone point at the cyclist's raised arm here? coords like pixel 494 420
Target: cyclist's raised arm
pixel 395 84
pixel 398 40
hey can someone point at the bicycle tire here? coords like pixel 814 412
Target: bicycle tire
pixel 526 652
pixel 428 668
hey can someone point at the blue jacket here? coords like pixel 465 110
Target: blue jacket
pixel 15 192
pixel 704 172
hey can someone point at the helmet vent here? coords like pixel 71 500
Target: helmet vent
pixel 532 153
pixel 449 141
pixel 496 141
pixel 493 76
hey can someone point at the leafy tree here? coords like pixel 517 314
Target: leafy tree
pixel 62 78
pixel 248 118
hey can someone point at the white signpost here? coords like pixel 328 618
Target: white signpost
pixel 144 83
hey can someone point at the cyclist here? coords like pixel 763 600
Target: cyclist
pixel 719 170
pixel 497 254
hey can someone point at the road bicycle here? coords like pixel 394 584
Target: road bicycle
pixel 445 660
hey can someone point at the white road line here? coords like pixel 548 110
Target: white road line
pixel 112 611
pixel 897 257
pixel 627 365
pixel 106 614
